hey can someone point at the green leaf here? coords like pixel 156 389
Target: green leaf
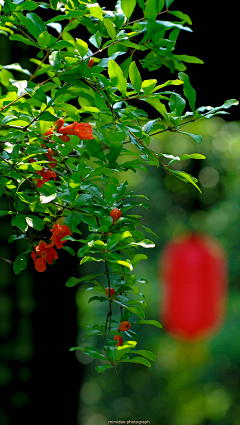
pixel 181 16
pixel 188 90
pixel 45 199
pixel 152 7
pixel 96 40
pixel 37 22
pixel 74 281
pixel 116 76
pixel 128 7
pixel 72 221
pixel 110 28
pixel 187 178
pixel 135 77
pixel 69 250
pixel 35 222
pixel 96 298
pixel 55 60
pixel 114 151
pixel 16 37
pixel 138 257
pixel 101 369
pixel 193 156
pixel 20 222
pixel 19 264
pixel 145 353
pixel 44 39
pixel 188 59
pixel 94 352
pixel 81 46
pixel 148 322
pixel 168 3
pixel 95 10
pixel 140 360
pixel 196 137
pixel 148 86
pixel 136 310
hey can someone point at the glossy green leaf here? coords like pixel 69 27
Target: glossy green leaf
pixel 152 7
pixel 35 222
pixel 55 60
pixel 145 353
pixel 181 16
pixel 36 22
pixel 44 39
pixel 19 264
pixel 196 137
pixel 148 322
pixel 110 28
pixel 187 178
pixel 96 40
pixel 95 10
pixel 192 156
pixel 20 222
pixel 128 7
pixel 189 92
pixel 135 77
pixel 81 46
pixel 116 76
pixel 16 37
pixel 188 59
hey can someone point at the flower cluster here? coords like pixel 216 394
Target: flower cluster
pixel 82 130
pixel 44 252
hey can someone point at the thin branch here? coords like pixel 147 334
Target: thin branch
pixel 6 260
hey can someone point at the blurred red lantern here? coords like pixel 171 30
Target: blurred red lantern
pixel 194 277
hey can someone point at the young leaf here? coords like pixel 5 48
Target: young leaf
pixel 81 46
pixel 103 367
pixel 116 76
pixel 135 77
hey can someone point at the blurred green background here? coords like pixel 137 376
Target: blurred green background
pixel 190 383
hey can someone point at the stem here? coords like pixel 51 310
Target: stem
pixel 110 301
pixel 6 260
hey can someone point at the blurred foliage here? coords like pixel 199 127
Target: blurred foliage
pixel 190 383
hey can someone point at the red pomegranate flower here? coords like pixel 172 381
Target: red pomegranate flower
pixel 82 130
pixel 115 214
pixel 58 232
pixel 45 253
pixel 124 326
pixel 112 291
pixel 120 340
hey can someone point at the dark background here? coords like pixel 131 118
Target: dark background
pixel 49 375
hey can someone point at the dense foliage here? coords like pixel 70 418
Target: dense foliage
pixel 55 177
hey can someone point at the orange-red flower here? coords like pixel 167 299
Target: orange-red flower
pixel 46 174
pixel 115 214
pixel 120 340
pixel 112 291
pixel 58 232
pixel 53 161
pixel 124 326
pixel 45 253
pixel 82 130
